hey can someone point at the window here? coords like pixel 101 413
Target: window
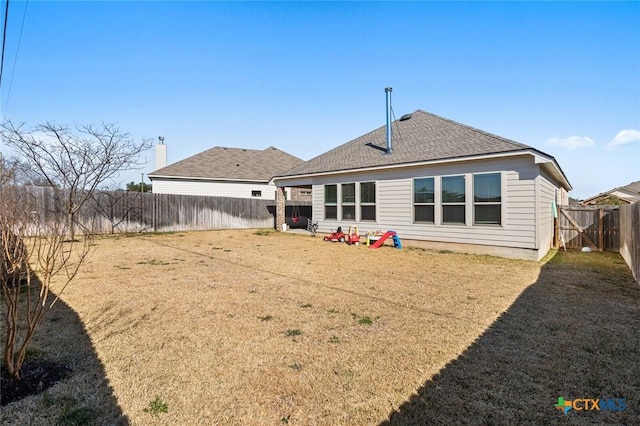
pixel 453 199
pixel 368 201
pixel 348 201
pixel 330 201
pixel 423 200
pixel 487 199
pixel 256 193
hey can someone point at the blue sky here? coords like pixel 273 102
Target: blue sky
pixel 563 77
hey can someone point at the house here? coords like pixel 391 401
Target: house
pixel 627 194
pixel 224 172
pixel 438 184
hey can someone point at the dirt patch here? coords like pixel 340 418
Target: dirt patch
pixel 36 377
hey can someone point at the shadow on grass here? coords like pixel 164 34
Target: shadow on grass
pixel 85 396
pixel 574 333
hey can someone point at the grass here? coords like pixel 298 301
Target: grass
pixel 157 407
pixel 444 339
pixel 72 411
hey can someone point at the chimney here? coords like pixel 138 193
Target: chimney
pixel 161 153
pixel 388 90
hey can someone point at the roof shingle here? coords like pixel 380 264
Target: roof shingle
pixel 422 137
pixel 232 164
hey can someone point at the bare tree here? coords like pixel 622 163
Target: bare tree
pixel 40 254
pixel 74 162
pixel 116 205
pixel 36 259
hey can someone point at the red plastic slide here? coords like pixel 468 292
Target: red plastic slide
pixel 381 240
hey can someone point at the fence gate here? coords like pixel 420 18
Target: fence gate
pixel 597 227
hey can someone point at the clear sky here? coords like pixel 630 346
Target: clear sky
pixel 562 77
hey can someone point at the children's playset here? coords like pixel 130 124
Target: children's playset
pixel 373 239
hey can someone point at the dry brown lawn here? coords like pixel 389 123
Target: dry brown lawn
pixel 264 328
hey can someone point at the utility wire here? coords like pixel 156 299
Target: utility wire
pixel 4 40
pixel 13 70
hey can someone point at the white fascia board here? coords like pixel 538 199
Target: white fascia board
pixel 204 178
pixel 553 168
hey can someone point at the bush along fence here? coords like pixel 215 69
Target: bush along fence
pixel 121 211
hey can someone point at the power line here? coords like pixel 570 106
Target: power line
pixel 4 39
pixel 15 61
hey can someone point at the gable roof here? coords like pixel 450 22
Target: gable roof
pixel 221 163
pixel 629 193
pixel 423 137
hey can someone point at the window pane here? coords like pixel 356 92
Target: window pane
pixel 330 212
pixel 349 193
pixel 486 188
pixel 367 212
pixel 488 214
pixel 330 194
pixel 348 212
pixel 368 192
pixel 453 189
pixel 453 214
pixel 423 190
pixel 423 214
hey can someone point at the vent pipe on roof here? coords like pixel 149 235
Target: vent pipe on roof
pixel 388 90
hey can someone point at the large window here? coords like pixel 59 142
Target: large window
pixel 487 199
pixel 348 201
pixel 423 200
pixel 330 201
pixel 453 199
pixel 368 201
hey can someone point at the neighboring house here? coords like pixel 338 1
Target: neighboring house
pixel 627 194
pixel 439 184
pixel 224 172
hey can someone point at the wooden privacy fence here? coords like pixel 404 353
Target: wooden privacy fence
pixel 121 211
pixel 630 237
pixel 597 227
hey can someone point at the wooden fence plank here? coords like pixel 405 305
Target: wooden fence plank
pixel 121 211
pixel 598 223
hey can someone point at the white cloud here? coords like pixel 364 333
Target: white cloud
pixel 572 142
pixel 624 137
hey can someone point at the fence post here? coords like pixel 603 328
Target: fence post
pixel 601 229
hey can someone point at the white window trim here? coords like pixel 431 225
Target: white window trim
pixel 467 215
pixel 502 201
pixel 434 204
pixel 360 203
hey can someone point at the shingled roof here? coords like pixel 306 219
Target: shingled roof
pixel 421 137
pixel 231 164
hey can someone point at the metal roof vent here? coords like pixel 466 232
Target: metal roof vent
pixel 405 117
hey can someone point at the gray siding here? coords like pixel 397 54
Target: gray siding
pixel 395 209
pixel 546 196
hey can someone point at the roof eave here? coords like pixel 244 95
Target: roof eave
pixel 540 158
pixel 217 179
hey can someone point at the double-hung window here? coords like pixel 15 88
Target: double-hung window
pixel 368 201
pixel 423 200
pixel 331 201
pixel 487 199
pixel 348 201
pixel 453 199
